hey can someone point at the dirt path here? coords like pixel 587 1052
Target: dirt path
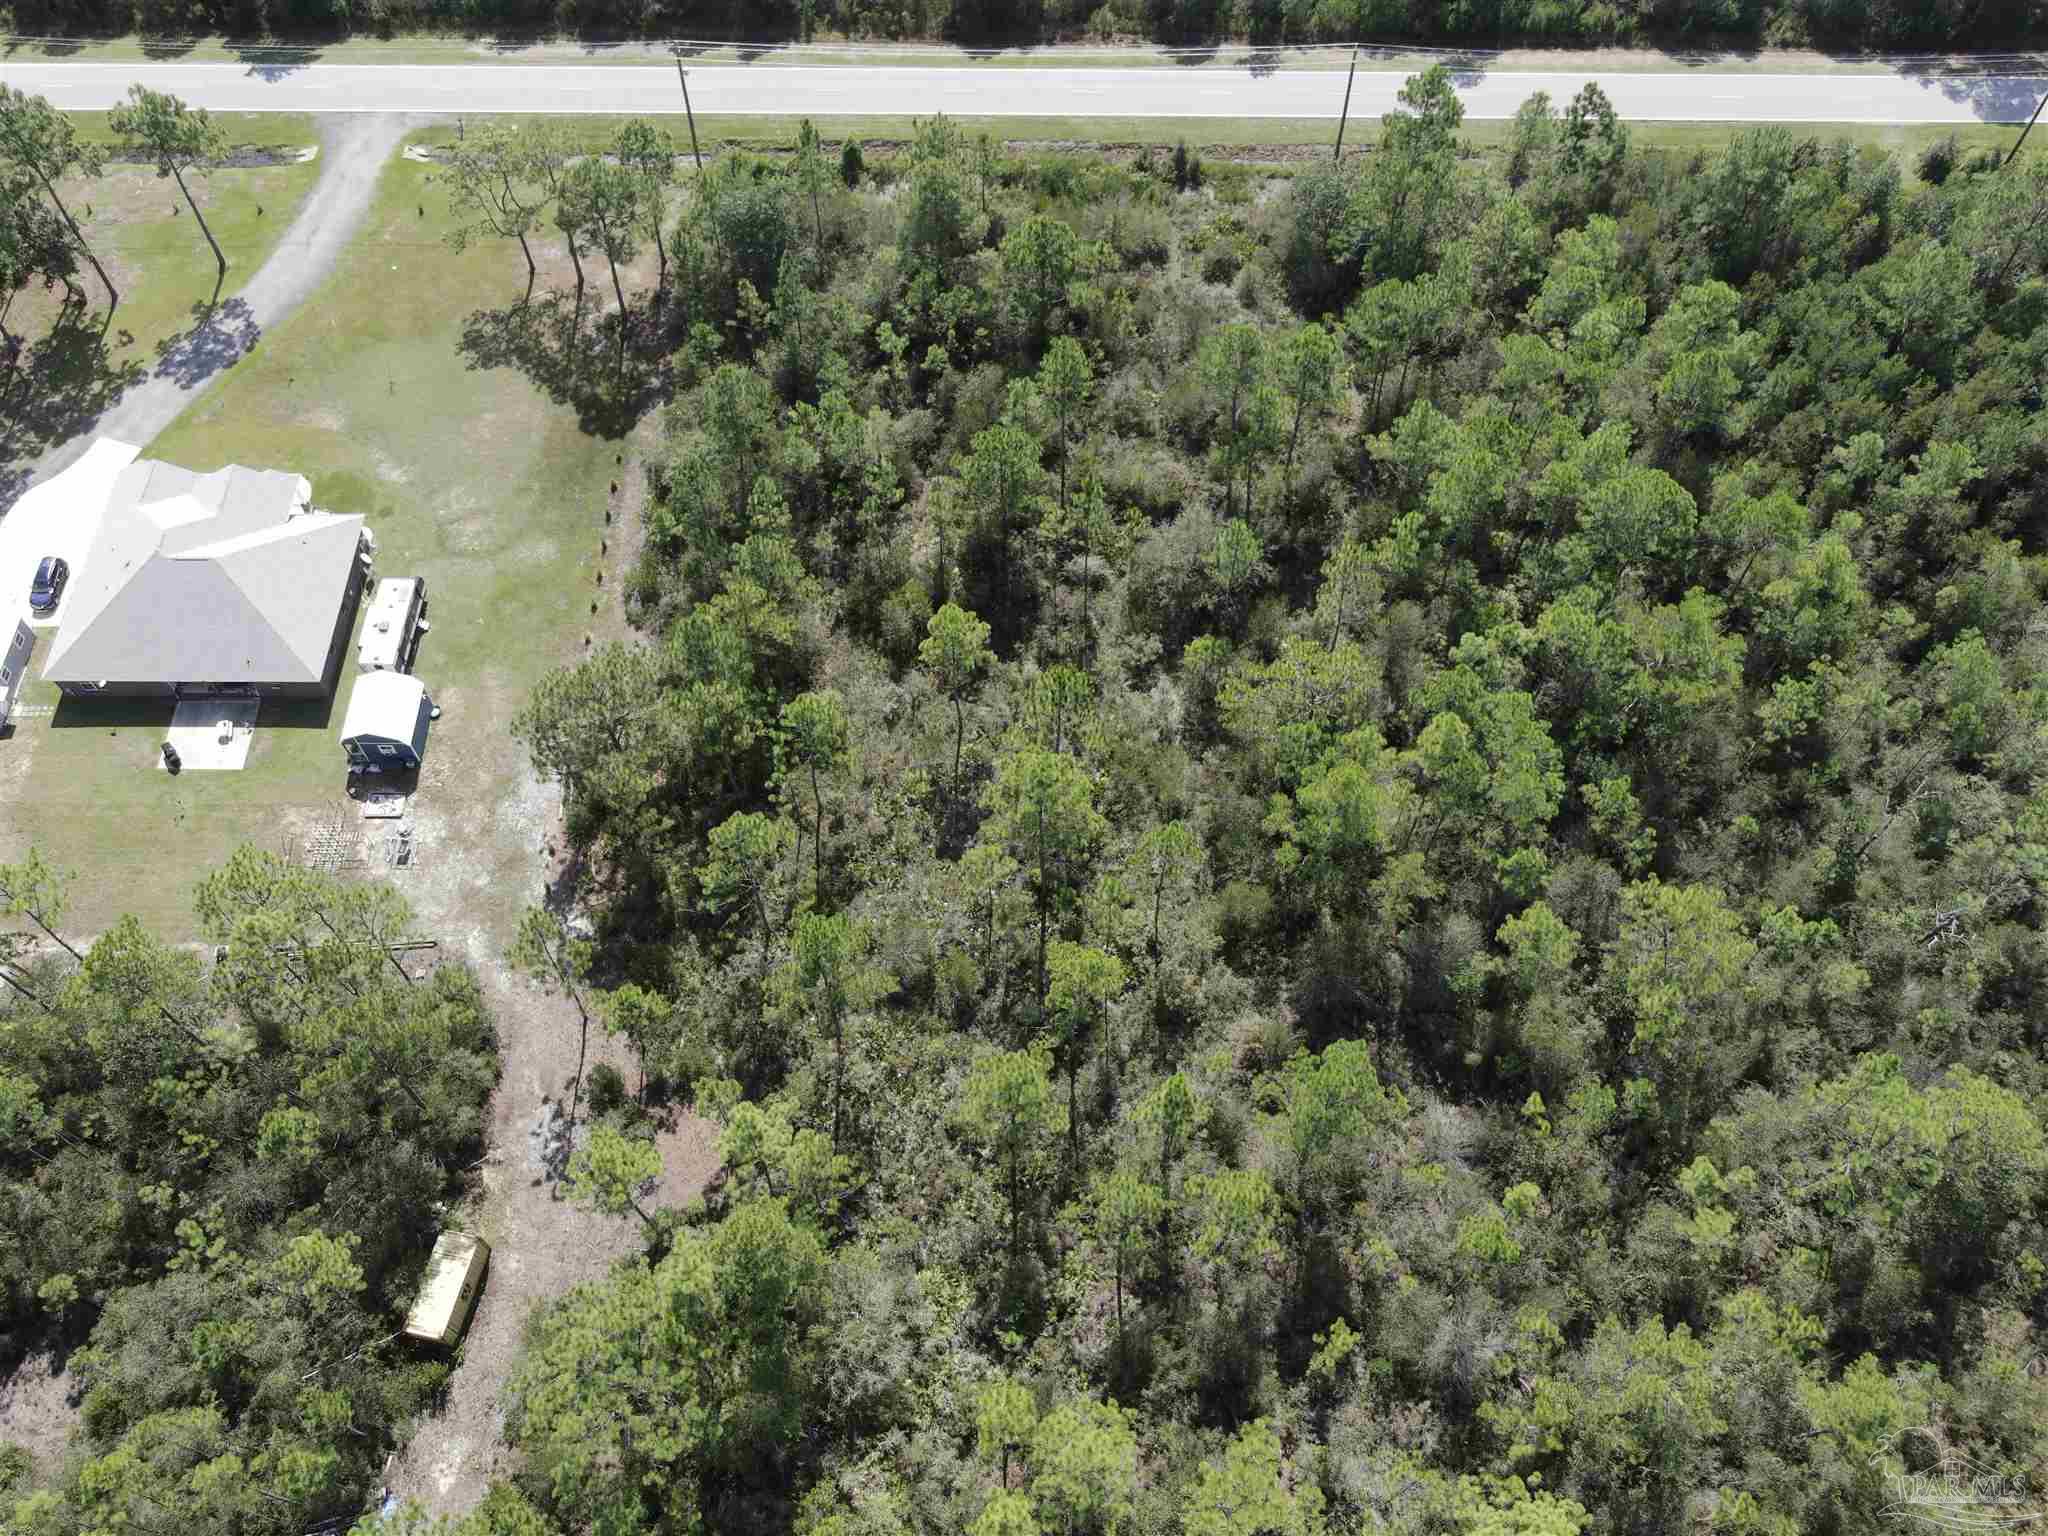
pixel 541 1243
pixel 353 150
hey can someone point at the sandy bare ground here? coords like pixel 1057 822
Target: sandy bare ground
pixel 483 859
pixel 541 1243
pixel 36 1410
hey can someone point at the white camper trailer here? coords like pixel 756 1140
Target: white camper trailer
pixel 455 1273
pixel 396 620
pixel 14 669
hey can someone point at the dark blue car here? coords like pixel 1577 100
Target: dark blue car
pixel 48 587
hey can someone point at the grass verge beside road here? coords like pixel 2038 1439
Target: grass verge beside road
pixel 1288 139
pixel 280 133
pixel 738 131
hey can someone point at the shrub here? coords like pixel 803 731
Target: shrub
pixel 1244 911
pixel 1137 472
pixel 1168 577
pixel 901 624
pixel 607 1090
pixel 1938 159
pixel 1137 232
pixel 1221 261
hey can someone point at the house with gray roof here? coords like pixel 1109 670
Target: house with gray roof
pixel 224 583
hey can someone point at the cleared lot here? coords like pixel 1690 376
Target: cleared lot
pixel 472 436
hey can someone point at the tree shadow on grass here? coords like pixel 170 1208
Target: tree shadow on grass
pixel 222 334
pixel 572 358
pixel 60 385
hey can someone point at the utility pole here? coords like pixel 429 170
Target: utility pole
pixel 683 79
pixel 1338 153
pixel 2043 102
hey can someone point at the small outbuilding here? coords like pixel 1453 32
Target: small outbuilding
pixel 385 730
pixel 14 667
pixel 455 1274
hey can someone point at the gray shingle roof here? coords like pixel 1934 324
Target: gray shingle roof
pixel 229 577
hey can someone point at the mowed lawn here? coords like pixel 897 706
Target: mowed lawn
pixel 407 391
pixel 141 230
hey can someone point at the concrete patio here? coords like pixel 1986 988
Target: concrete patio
pixel 196 731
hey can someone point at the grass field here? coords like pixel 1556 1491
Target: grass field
pixel 245 130
pixel 139 226
pixel 1293 138
pixel 409 390
pixel 137 222
pixel 152 248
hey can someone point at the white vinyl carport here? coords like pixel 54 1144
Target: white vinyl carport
pixel 58 516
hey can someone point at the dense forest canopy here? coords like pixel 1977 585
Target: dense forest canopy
pixel 1352 852
pixel 1339 852
pixel 1873 24
pixel 219 1182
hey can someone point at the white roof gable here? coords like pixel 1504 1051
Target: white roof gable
pixel 227 577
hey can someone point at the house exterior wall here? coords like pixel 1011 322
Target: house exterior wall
pixel 344 625
pixel 116 689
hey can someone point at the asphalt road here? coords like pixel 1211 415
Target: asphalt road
pixel 1025 92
